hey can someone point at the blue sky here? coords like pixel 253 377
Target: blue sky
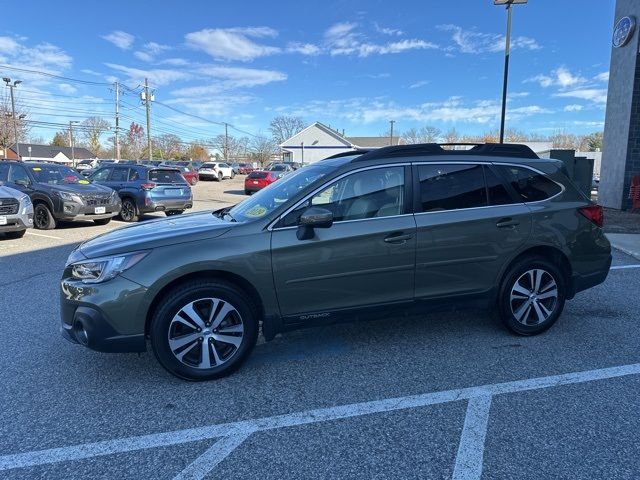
pixel 351 64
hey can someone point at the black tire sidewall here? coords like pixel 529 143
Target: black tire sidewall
pixel 102 221
pixel 504 304
pixel 51 223
pixel 178 299
pixel 134 217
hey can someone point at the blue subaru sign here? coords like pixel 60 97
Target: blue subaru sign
pixel 623 31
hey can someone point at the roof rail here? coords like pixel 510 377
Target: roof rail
pixel 430 149
pixel 358 151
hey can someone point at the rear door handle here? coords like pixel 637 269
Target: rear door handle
pixel 398 237
pixel 507 223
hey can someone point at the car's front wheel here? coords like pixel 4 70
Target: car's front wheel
pixel 220 176
pixel 43 218
pixel 194 180
pixel 532 296
pixel 204 330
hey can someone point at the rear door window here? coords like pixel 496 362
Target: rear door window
pixel 119 174
pixel 498 194
pixel 451 187
pixel 165 176
pixel 530 185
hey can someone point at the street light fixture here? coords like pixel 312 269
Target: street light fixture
pixel 11 86
pixel 507 52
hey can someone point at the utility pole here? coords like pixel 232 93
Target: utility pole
pixel 13 112
pixel 71 142
pixel 117 135
pixel 147 101
pixel 226 141
pixel 391 136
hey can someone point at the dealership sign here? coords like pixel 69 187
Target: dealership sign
pixel 623 31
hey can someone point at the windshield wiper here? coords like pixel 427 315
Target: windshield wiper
pixel 224 213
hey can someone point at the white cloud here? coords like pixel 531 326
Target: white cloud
pixel 177 62
pixel 596 95
pixel 232 43
pixel 120 39
pixel 343 39
pixel 237 77
pixel 573 108
pixel 66 88
pixel 303 48
pixel 419 84
pixel 144 56
pixel 157 77
pixel 560 77
pixel 472 41
pixel 43 56
pixel 602 77
pixel 388 31
pixel 91 72
pixel 156 48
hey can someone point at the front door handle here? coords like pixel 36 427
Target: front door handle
pixel 398 237
pixel 507 223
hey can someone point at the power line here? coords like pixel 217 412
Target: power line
pixel 52 75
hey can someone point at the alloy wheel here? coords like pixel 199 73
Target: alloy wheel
pixel 41 217
pixel 534 297
pixel 206 333
pixel 128 211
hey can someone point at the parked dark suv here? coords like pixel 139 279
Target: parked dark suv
pixel 400 227
pixel 146 189
pixel 60 193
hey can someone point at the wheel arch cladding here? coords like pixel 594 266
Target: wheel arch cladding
pixel 253 297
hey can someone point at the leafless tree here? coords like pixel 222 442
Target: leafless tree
pixel 423 135
pixel 262 149
pixel 284 127
pixel 92 130
pixel 7 136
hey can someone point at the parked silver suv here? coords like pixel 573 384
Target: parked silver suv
pixel 16 212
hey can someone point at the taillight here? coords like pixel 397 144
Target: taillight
pixel 593 213
pixel 148 186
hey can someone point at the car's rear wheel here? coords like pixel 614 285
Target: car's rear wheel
pixel 102 221
pixel 15 235
pixel 233 174
pixel 194 180
pixel 247 192
pixel 204 330
pixel 128 213
pixel 43 218
pixel 220 176
pixel 532 296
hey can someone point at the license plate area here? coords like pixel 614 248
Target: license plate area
pixel 3 220
pixel 99 210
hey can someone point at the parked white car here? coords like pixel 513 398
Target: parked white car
pixel 215 171
pixel 16 212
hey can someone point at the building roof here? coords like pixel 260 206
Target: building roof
pixel 373 142
pixel 50 151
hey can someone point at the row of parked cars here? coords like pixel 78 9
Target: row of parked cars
pixel 42 194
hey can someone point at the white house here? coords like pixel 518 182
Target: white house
pixel 50 153
pixel 318 141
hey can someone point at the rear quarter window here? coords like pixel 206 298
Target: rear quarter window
pixel 529 185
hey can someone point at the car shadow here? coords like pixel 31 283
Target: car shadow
pixel 235 192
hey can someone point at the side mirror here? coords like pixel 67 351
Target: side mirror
pixel 22 183
pixel 313 217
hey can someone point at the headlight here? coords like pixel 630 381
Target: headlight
pixel 69 197
pixel 25 201
pixel 99 270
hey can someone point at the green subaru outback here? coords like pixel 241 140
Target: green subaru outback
pixel 400 227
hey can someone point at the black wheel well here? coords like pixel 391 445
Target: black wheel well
pixel 252 294
pixel 553 254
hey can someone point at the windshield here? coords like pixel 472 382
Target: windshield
pixel 271 197
pixel 54 175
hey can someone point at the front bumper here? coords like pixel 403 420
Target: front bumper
pixel 107 317
pixel 78 211
pixel 17 223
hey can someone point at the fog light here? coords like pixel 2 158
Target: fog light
pixel 81 333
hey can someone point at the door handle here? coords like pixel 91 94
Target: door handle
pixel 507 223
pixel 398 237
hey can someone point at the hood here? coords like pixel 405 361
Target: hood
pixel 156 233
pixel 79 188
pixel 8 192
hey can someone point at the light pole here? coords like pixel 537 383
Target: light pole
pixel 11 86
pixel 71 142
pixel 391 132
pixel 507 52
pixel 302 150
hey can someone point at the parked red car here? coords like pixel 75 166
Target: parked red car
pixel 245 168
pixel 258 179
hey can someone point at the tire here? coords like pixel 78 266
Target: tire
pixel 15 235
pixel 43 218
pixel 220 177
pixel 247 192
pixel 526 309
pixel 233 174
pixel 194 180
pixel 102 221
pixel 129 212
pixel 238 317
pixel 171 213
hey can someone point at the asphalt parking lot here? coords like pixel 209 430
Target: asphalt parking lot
pixel 437 395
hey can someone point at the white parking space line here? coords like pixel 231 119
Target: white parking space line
pixel 206 462
pixel 623 267
pixel 471 449
pixel 43 235
pixel 109 447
